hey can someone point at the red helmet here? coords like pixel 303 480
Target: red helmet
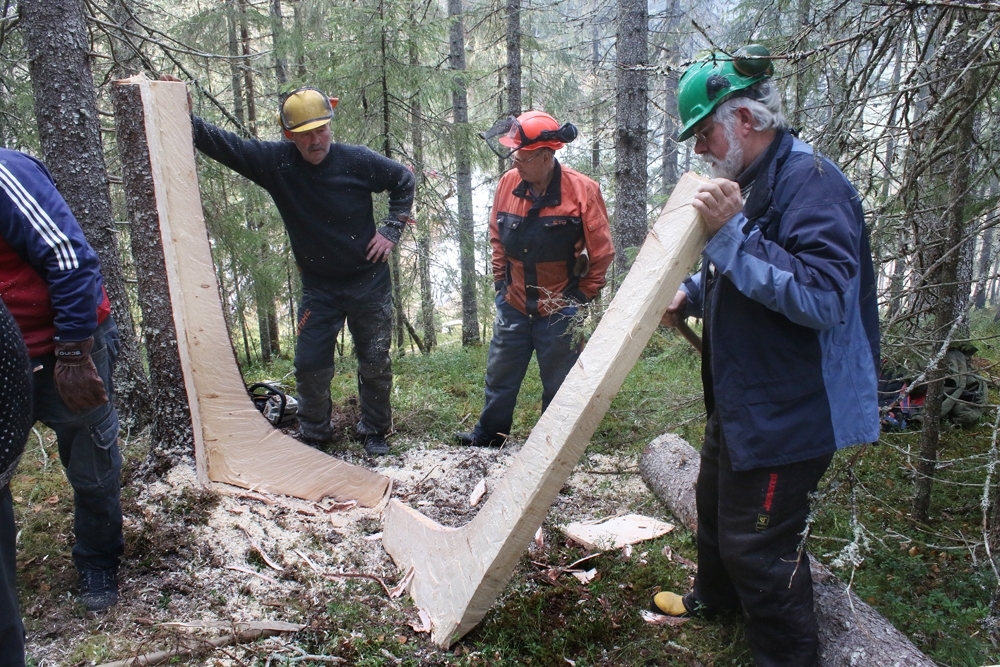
pixel 537 129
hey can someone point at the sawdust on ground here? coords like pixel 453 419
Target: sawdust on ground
pixel 219 571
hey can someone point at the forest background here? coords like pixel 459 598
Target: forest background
pixel 900 94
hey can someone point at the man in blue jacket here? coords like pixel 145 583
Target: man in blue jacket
pixel 791 344
pixel 323 191
pixel 50 281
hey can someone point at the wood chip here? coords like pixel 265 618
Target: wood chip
pixel 662 619
pixel 586 577
pixel 400 588
pixel 341 507
pixel 306 559
pixel 260 552
pixel 477 493
pixel 250 495
pixel 616 532
pixel 425 622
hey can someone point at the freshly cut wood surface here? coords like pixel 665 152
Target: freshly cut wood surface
pixel 616 532
pixel 851 632
pixel 234 443
pixel 458 572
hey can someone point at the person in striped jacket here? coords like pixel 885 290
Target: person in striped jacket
pixel 50 280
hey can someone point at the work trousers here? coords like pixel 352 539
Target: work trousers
pixel 515 337
pixel 749 535
pixel 322 314
pixel 88 449
pixel 11 627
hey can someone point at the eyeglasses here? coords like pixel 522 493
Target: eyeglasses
pixel 518 162
pixel 703 134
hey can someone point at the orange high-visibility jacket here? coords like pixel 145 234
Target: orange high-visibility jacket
pixel 534 241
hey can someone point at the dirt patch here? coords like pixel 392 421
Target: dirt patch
pixel 238 556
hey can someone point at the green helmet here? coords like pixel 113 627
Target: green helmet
pixel 716 78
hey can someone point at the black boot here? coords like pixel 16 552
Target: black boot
pixel 98 589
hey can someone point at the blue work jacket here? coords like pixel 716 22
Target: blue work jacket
pixel 791 318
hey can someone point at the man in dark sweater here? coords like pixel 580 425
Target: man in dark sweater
pixel 323 191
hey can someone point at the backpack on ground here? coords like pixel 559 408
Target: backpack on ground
pixel 964 401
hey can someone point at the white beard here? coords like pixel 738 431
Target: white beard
pixel 728 167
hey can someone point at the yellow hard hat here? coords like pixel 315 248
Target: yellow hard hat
pixel 306 109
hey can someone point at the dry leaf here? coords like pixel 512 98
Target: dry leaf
pixel 539 538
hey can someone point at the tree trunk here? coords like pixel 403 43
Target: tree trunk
pixel 952 276
pixel 395 268
pixel 172 438
pixel 460 136
pixel 669 173
pixel 70 135
pixel 423 229
pixel 241 72
pixel 514 57
pixel 278 42
pixel 630 126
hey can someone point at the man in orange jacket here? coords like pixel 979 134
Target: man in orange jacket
pixel 551 248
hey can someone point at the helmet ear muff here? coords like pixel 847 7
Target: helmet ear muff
pixel 565 134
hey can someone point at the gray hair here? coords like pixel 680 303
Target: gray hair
pixel 766 109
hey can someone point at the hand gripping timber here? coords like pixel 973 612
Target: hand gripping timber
pixel 458 572
pixel 234 443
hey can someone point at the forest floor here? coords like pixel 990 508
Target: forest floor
pixel 210 560
pixel 199 563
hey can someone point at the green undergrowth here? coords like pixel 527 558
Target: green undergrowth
pixel 930 580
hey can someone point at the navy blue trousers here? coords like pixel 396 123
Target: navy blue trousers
pixel 516 337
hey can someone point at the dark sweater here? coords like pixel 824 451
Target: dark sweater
pixel 326 208
pixel 16 417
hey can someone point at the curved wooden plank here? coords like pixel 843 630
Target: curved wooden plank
pixel 459 572
pixel 234 443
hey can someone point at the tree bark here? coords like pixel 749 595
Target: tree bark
pixel 850 631
pixel 70 134
pixel 172 438
pixel 952 275
pixel 423 228
pixel 463 163
pixel 630 125
pixel 514 57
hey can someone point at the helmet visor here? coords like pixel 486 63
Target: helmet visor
pixel 498 137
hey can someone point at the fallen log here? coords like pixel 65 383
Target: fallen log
pixel 851 632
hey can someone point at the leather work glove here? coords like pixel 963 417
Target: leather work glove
pixel 76 377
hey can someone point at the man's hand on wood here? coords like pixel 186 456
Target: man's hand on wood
pixel 675 311
pixel 718 201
